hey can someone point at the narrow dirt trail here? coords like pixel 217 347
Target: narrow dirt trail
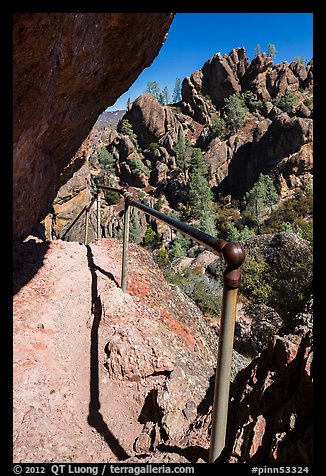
pixel 65 408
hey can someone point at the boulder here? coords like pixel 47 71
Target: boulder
pixel 219 79
pixel 152 122
pixel 217 158
pixel 196 106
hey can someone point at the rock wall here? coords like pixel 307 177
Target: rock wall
pixel 68 67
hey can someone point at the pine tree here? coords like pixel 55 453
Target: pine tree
pixel 260 199
pixel 271 50
pixel 235 111
pixel 177 91
pixel 153 88
pixel 183 152
pixel 257 49
pixel 199 193
pixel 166 95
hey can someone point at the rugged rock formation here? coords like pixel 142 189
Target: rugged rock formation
pixel 68 67
pixel 271 410
pixel 221 75
pixel 283 136
pixel 153 123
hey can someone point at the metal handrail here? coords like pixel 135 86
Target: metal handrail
pixel 86 209
pixel 234 256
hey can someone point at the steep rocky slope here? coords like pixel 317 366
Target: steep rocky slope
pixel 273 141
pixel 100 375
pixel 68 67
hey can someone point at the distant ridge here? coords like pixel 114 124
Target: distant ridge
pixel 109 119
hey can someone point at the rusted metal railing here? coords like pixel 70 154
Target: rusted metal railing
pixel 233 255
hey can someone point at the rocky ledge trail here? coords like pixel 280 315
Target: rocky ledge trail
pixel 100 375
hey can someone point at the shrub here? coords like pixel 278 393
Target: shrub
pixel 251 100
pixel 255 280
pixel 179 246
pixel 162 258
pixel 150 237
pixel 237 235
pixel 216 129
pixel 124 127
pixel 154 146
pixel 286 102
pixel 206 293
pixel 137 166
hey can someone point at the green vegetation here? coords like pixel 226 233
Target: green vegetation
pixel 163 96
pixel 258 50
pixel 235 111
pixel 237 235
pixel 251 100
pixel 256 279
pixel 291 215
pixel 150 238
pixel 281 282
pixel 124 127
pixel 136 232
pixel 137 166
pixel 200 196
pixel 216 129
pixel 176 97
pixel 206 293
pixel 179 246
pixel 271 50
pixel 260 200
pixel 301 59
pixel 183 153
pixel 286 102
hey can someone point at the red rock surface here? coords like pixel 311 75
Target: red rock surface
pixel 86 355
pixel 68 67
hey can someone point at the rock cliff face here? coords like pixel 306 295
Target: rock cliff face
pixel 68 67
pixel 268 142
pixel 271 410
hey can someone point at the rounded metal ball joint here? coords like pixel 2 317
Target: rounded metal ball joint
pixel 234 255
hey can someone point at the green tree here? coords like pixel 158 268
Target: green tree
pixel 124 127
pixel 150 237
pixel 200 197
pixel 183 152
pixel 128 103
pixel 235 111
pixel 257 49
pixel 260 199
pixel 301 59
pixel 179 246
pixel 236 235
pixel 106 161
pixel 153 88
pixel 216 129
pixel 271 50
pixel 176 97
pixel 251 100
pixel 166 95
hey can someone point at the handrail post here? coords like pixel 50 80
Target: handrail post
pixel 99 194
pixel 234 256
pixel 125 247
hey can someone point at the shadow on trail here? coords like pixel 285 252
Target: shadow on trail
pixel 95 419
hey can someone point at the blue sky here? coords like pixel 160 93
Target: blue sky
pixel 193 38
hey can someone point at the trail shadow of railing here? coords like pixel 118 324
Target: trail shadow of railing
pixel 95 418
